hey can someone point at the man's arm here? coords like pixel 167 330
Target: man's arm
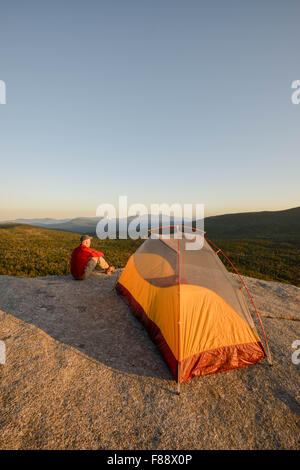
pixel 95 253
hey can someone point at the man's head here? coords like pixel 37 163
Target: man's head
pixel 85 240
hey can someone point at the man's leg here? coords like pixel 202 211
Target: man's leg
pixel 90 266
pixel 92 263
pixel 104 265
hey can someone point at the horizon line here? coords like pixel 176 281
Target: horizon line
pixel 67 219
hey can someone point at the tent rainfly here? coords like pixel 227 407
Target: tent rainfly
pixel 192 308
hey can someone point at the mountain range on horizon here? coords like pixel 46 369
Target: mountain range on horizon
pixel 283 224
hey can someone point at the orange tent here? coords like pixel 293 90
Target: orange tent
pixel 192 308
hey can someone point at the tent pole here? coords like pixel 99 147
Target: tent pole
pixel 178 364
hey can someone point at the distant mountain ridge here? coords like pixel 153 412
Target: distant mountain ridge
pixel 38 222
pixel 87 224
pixel 281 225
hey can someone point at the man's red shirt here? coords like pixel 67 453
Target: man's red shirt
pixel 80 257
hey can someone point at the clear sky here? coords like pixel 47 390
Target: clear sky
pixel 160 100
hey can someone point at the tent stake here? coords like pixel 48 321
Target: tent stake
pixel 178 378
pixel 269 356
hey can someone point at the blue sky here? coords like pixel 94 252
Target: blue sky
pixel 162 101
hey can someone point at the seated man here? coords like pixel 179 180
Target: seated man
pixel 84 260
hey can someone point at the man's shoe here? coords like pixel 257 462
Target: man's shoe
pixel 110 270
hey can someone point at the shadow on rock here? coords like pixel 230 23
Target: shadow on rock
pixel 87 315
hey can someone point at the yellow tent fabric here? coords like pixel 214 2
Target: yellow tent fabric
pixel 191 308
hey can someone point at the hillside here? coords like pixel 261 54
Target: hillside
pixel 273 225
pixel 34 251
pixel 31 251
